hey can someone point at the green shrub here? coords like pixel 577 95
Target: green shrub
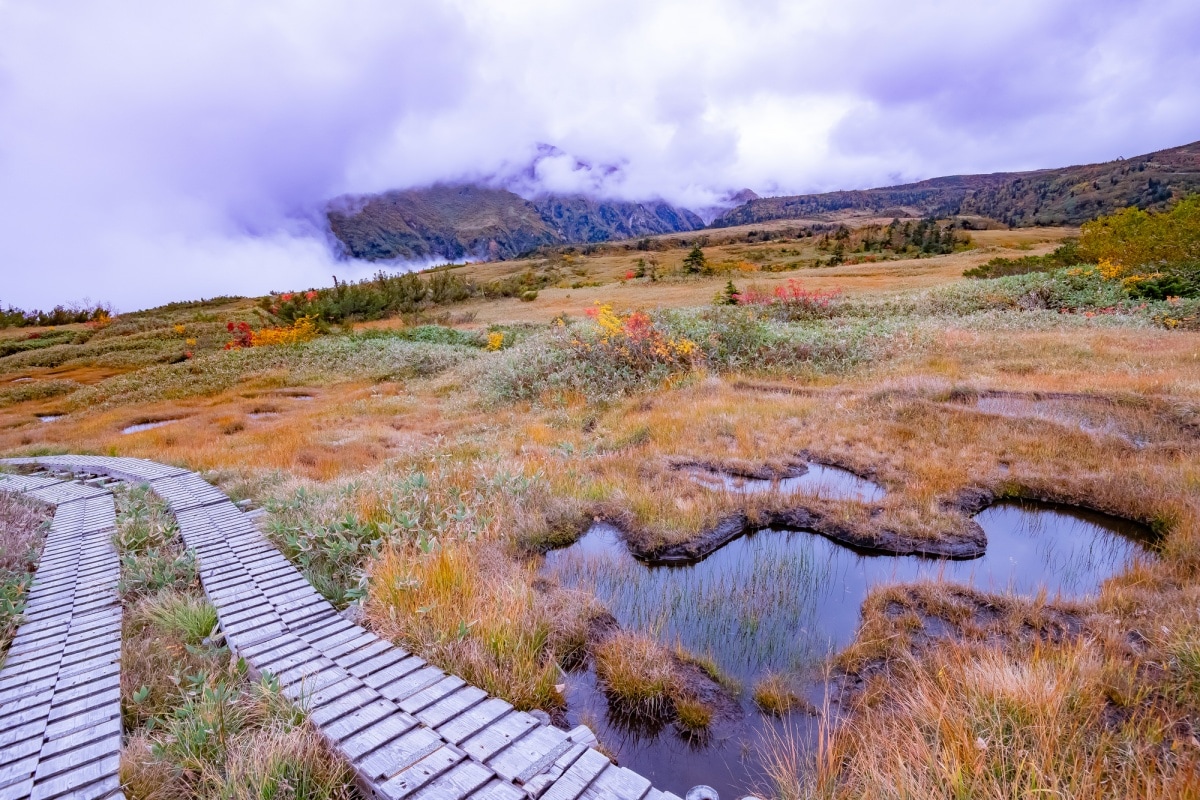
pixel 1065 255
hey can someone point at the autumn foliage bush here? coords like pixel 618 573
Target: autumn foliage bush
pixel 303 329
pixel 792 301
pixel 633 341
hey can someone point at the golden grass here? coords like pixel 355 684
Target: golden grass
pixel 637 673
pixel 692 715
pixel 473 612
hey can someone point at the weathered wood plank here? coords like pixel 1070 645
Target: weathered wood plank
pixel 410 780
pixel 399 753
pixel 376 735
pixel 456 783
pixel 578 777
pixel 498 735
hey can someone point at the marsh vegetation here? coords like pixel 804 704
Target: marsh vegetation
pixel 479 486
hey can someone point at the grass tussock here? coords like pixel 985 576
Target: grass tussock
pixel 643 680
pixel 232 738
pixel 153 558
pixel 774 695
pixel 637 674
pixel 23 525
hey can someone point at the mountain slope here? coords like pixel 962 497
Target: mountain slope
pixel 455 222
pixel 1069 195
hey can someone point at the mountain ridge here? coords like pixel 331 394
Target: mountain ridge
pixel 458 221
pixel 1055 196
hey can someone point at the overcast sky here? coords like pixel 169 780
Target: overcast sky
pixel 156 151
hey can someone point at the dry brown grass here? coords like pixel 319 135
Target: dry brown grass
pixel 467 605
pixel 22 527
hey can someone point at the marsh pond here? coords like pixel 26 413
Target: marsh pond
pixel 780 602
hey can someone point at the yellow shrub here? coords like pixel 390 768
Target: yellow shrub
pixel 302 330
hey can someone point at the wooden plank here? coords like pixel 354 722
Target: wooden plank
pixel 377 658
pixel 473 720
pixel 431 694
pixel 394 673
pixel 578 777
pixel 301 691
pixel 499 790
pixel 376 735
pixel 618 782
pixel 367 652
pixel 342 706
pixel 409 684
pixel 498 735
pixel 456 783
pixel 357 720
pixel 314 698
pixel 50 766
pixel 410 780
pixel 399 753
pixel 544 778
pixel 103 771
pixel 530 754
pixel 451 706
pixel 106 729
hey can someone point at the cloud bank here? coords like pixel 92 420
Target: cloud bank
pixel 158 151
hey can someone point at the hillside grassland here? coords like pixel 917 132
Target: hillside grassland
pixel 422 469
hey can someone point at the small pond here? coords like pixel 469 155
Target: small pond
pixel 50 417
pixel 782 601
pixel 820 480
pixel 145 426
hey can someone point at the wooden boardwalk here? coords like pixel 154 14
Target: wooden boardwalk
pixel 407 728
pixel 60 692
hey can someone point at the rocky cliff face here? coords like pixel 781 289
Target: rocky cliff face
pixel 466 221
pixel 1069 195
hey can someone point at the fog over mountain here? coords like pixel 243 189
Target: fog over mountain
pixel 154 151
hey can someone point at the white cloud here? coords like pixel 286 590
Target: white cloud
pixel 157 151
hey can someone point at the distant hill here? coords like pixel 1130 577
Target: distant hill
pixel 1069 195
pixel 461 221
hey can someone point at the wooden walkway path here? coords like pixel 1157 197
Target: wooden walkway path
pixel 60 692
pixel 407 728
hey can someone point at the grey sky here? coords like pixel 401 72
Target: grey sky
pixel 157 151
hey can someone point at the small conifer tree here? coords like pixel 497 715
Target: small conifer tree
pixel 695 262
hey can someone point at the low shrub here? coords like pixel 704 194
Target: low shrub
pixel 1065 255
pixel 791 302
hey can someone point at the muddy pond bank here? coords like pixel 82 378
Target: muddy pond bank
pixel 781 601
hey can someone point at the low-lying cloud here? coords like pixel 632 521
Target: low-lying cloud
pixel 156 151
